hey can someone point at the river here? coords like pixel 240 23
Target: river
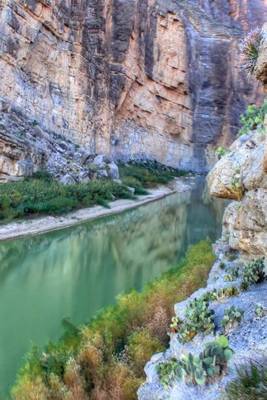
pixel 75 272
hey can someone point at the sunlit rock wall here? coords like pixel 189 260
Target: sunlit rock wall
pixel 137 78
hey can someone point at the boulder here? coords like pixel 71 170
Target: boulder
pixel 113 171
pixel 100 161
pixel 67 179
pixel 241 175
pixel 245 223
pixel 241 169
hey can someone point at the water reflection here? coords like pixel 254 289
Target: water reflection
pixel 76 272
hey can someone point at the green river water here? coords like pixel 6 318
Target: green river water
pixel 75 272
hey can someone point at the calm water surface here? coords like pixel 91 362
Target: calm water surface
pixel 75 272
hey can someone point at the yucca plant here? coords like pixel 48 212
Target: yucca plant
pixel 250 50
pixel 251 383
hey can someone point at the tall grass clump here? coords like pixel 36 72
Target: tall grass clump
pixel 251 383
pixel 250 50
pixel 105 359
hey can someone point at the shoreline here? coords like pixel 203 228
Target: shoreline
pixel 41 225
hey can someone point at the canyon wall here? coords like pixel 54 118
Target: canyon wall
pixel 129 78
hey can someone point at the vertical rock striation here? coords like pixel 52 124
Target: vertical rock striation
pixel 137 78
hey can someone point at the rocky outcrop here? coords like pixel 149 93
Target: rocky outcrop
pixel 241 175
pixel 130 79
pixel 26 148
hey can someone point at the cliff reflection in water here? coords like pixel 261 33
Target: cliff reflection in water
pixel 76 272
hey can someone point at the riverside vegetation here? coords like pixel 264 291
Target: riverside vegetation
pixel 41 194
pixel 105 359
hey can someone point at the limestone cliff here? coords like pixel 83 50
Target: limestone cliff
pixel 241 175
pixel 128 78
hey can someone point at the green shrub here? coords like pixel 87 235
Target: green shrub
pixel 147 174
pixel 42 174
pixel 254 273
pixel 141 347
pixel 232 318
pixel 132 182
pixel 251 383
pixel 43 195
pixel 253 118
pixel 58 205
pixel 221 151
pixel 197 370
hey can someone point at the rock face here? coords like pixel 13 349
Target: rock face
pixel 242 175
pixel 129 79
pixel 25 148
